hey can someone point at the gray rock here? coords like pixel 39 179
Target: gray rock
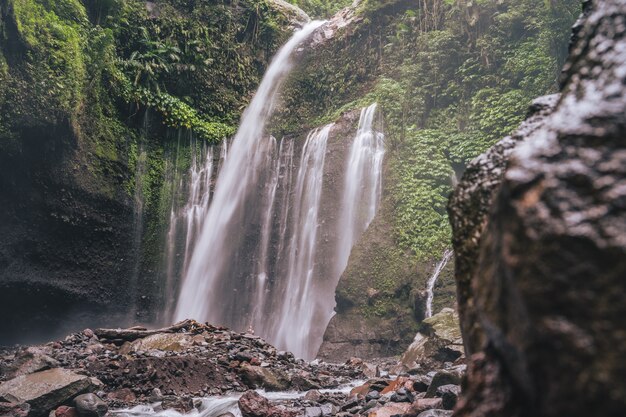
pixel 313 412
pixel 442 378
pixel 28 361
pixel 90 405
pixel 449 395
pixel 45 390
pixel 328 409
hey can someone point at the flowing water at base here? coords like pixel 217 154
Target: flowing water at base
pixel 217 406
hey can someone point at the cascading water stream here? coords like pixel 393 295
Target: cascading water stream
pixel 298 307
pixel 186 222
pixel 205 293
pixel 430 290
pixel 362 187
pixel 256 261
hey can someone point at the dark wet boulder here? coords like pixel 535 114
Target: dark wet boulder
pixel 90 405
pixel 449 395
pixel 469 210
pixel 541 247
pixel 440 379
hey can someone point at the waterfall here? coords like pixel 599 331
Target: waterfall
pixel 298 309
pixel 362 186
pixel 255 255
pixel 185 222
pixel 430 290
pixel 205 293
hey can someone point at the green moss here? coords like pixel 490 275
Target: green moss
pixel 53 34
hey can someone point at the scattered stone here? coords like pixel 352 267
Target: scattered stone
pixel 180 404
pixel 313 395
pixel 313 412
pixel 390 409
pixel 125 395
pixel 90 405
pixel 252 404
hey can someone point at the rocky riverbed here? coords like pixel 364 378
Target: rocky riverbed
pixel 199 369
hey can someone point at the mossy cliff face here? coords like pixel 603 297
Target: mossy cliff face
pixel 92 95
pixel 450 79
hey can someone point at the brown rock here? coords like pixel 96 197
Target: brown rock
pixel 390 409
pixel 65 411
pixel 252 404
pixel 423 404
pixel 125 395
pixel 258 377
pixel 395 385
pixel 361 390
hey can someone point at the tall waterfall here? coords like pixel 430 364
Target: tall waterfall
pixel 362 187
pixel 225 232
pixel 260 258
pixel 430 290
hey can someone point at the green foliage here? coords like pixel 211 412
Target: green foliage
pixel 421 183
pixel 53 74
pixel 321 8
pixel 452 77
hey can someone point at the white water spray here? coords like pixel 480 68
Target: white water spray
pixel 430 290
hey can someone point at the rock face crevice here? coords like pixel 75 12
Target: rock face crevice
pixel 540 236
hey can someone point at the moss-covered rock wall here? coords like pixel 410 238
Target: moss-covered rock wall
pixel 92 95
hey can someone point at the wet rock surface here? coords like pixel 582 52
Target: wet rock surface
pixel 186 366
pixel 540 245
pixel 135 366
pixel 438 341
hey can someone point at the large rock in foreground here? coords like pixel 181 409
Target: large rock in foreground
pixel 45 390
pixel 542 256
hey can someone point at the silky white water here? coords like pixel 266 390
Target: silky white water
pixel 298 309
pixel 224 229
pixel 362 186
pixel 430 290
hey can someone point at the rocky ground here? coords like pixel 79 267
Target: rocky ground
pixel 123 368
